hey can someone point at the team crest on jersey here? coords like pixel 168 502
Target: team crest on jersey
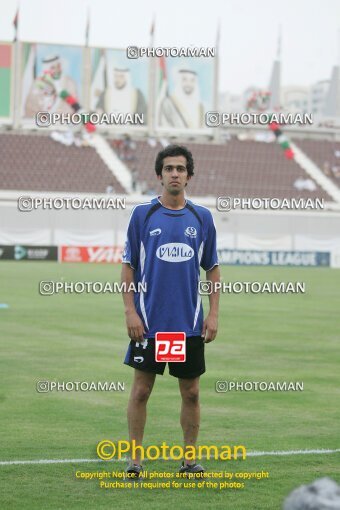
pixel 155 232
pixel 190 232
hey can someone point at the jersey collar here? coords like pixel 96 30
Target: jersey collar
pixel 157 199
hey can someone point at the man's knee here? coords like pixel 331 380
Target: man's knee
pixel 190 396
pixel 141 392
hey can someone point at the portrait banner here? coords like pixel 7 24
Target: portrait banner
pixel 119 85
pixel 47 70
pixel 184 91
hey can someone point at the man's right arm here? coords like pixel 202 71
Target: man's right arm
pixel 134 323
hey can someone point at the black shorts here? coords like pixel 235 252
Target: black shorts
pixel 142 357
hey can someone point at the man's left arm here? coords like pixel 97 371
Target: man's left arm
pixel 210 323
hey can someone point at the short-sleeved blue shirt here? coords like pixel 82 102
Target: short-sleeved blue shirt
pixel 166 248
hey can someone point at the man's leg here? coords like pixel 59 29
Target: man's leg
pixel 136 413
pixel 190 411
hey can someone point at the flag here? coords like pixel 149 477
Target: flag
pixel 98 84
pixel 29 70
pixel 161 85
pixel 5 79
pixel 15 24
pixel 162 78
pixel 152 32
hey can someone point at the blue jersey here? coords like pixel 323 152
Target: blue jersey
pixel 166 248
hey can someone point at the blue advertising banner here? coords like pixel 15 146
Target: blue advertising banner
pixel 274 258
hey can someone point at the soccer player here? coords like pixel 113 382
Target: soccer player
pixel 168 240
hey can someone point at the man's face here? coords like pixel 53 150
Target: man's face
pixel 55 70
pixel 174 174
pixel 119 79
pixel 188 82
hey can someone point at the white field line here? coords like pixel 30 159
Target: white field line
pixel 125 459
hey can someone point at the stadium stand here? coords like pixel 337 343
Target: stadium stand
pixel 37 163
pixel 237 168
pixel 325 154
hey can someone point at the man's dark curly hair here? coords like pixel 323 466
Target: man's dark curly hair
pixel 174 150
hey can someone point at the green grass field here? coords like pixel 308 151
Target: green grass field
pixel 82 338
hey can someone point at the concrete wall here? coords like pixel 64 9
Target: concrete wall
pixel 260 229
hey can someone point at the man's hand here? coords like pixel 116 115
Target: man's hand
pixel 209 330
pixel 135 326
